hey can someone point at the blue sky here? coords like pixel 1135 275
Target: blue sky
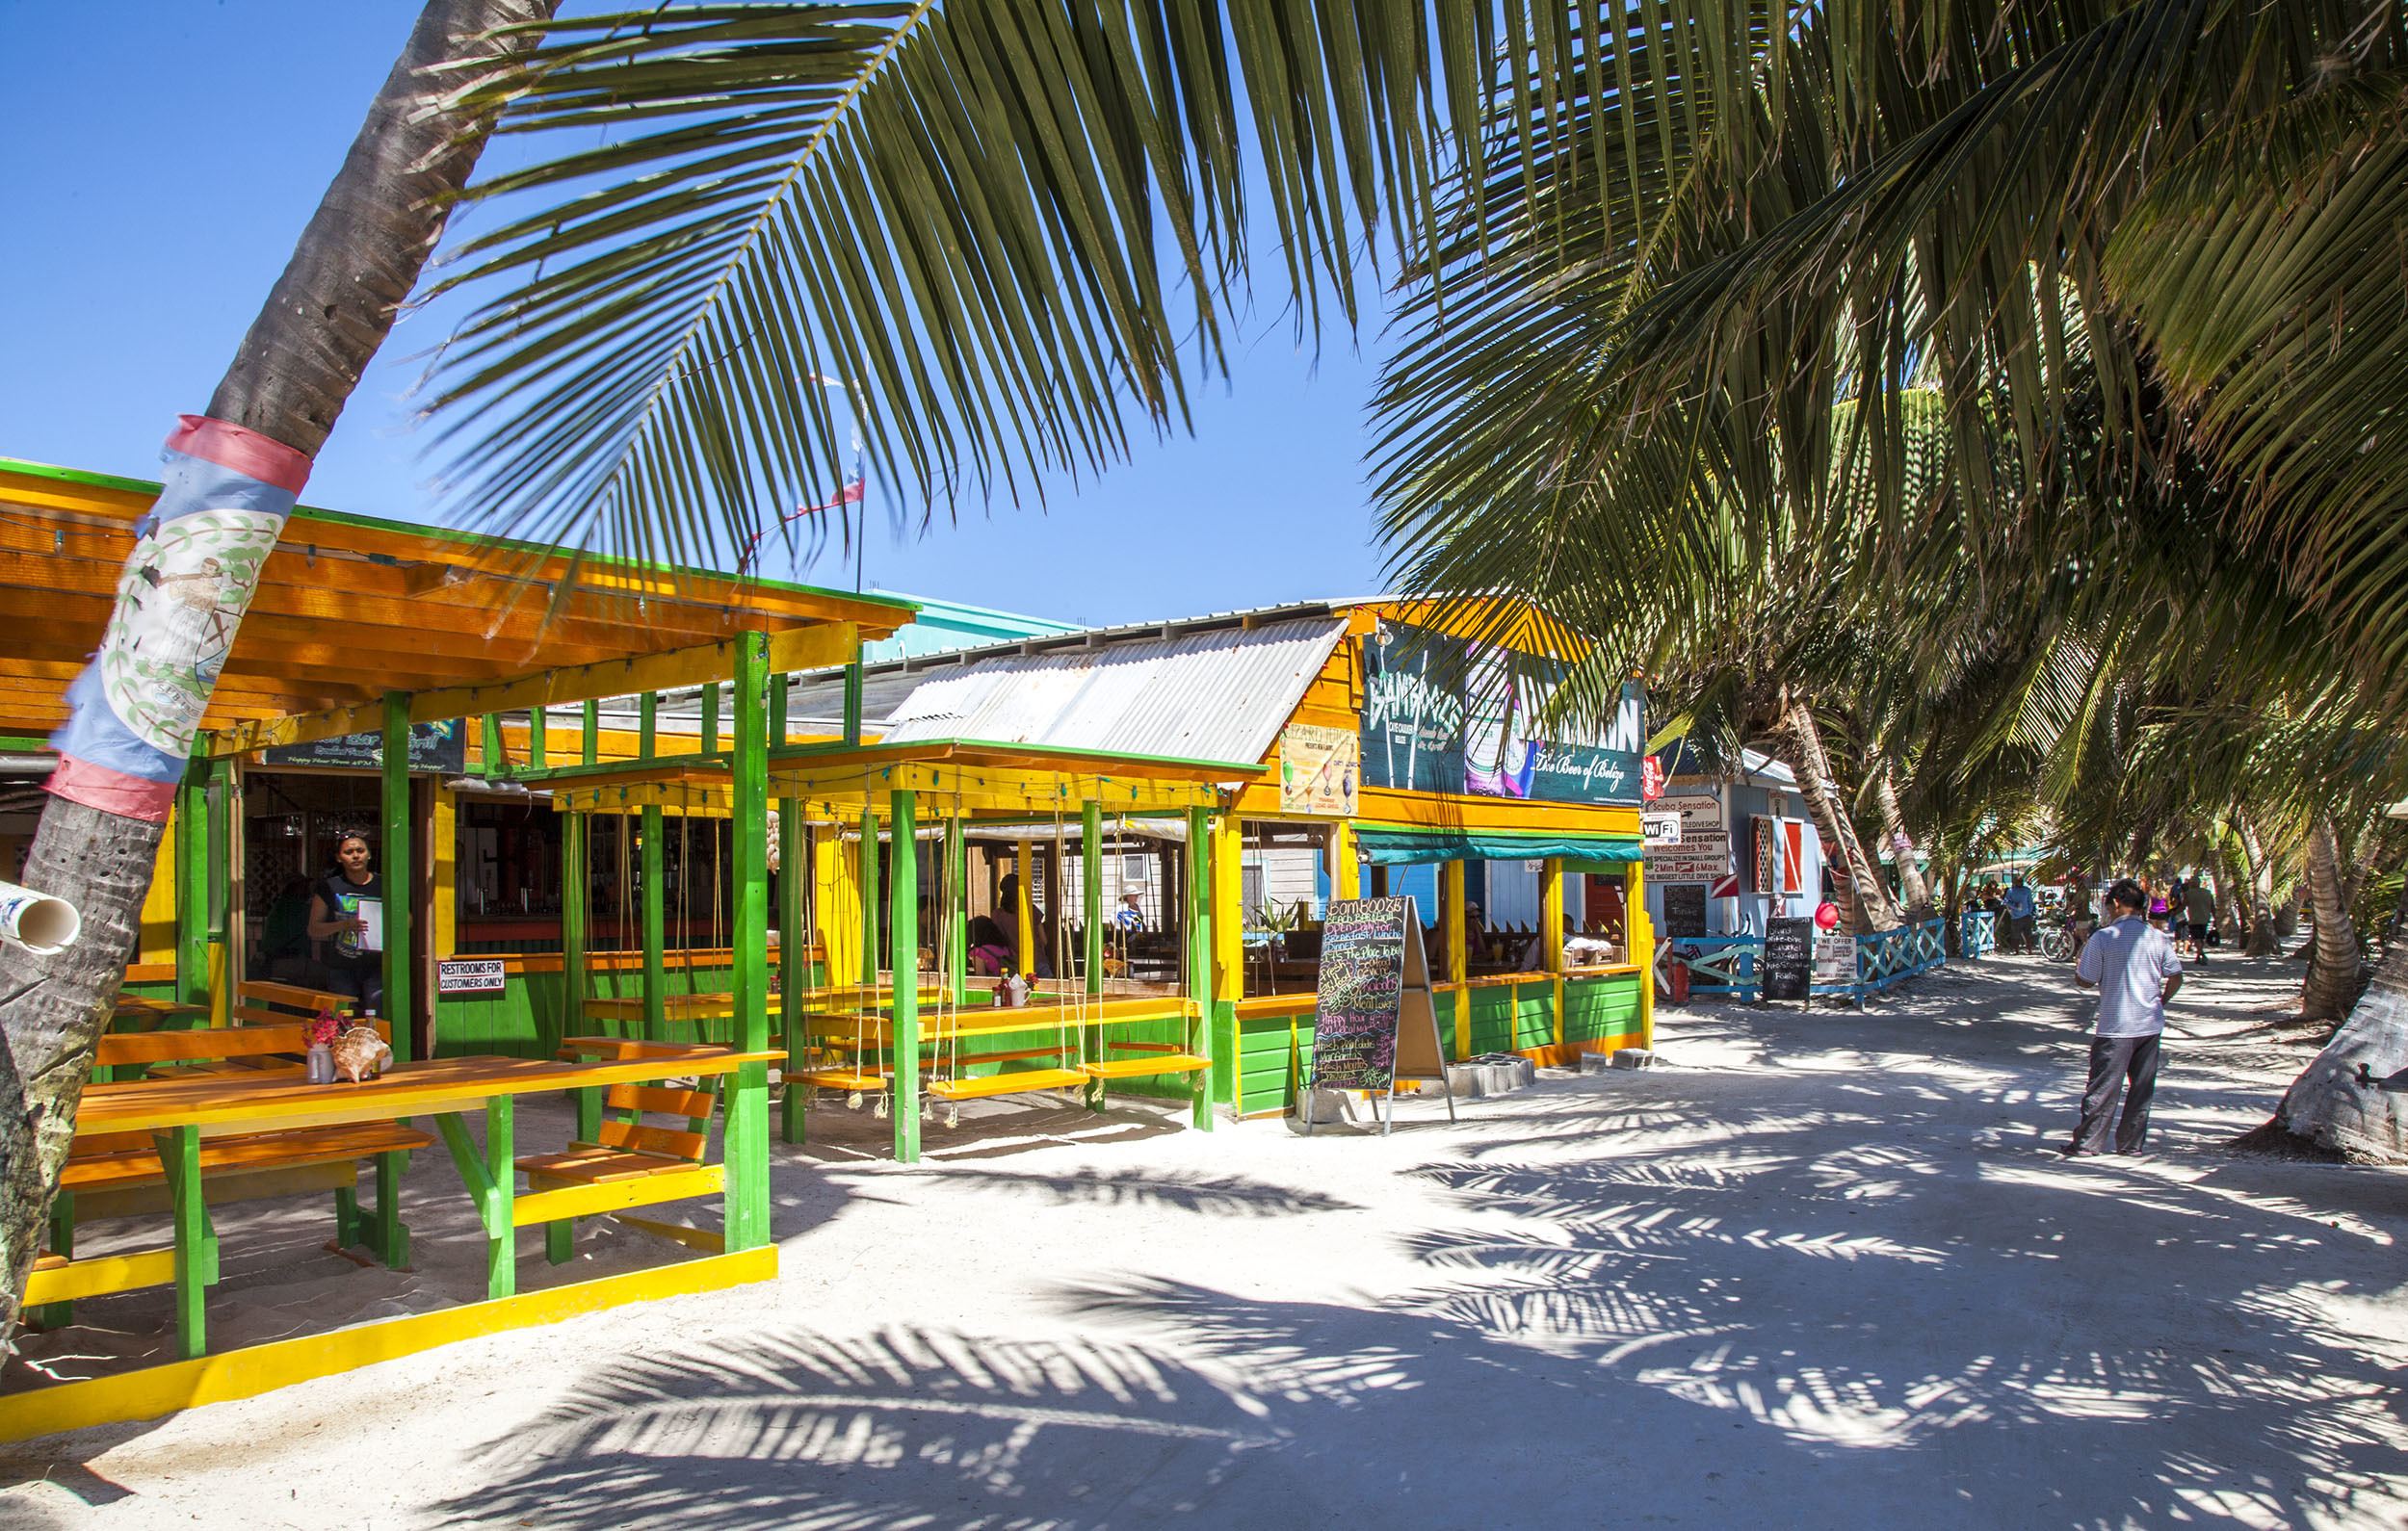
pixel 160 157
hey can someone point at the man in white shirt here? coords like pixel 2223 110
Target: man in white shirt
pixel 2132 966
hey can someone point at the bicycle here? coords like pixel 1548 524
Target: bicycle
pixel 2056 943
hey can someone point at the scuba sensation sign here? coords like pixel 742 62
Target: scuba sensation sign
pixel 1443 716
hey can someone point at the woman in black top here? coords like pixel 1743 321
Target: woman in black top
pixel 335 923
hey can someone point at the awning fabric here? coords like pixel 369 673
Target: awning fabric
pixel 1400 847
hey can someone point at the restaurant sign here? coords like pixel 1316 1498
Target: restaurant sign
pixel 438 747
pixel 1444 715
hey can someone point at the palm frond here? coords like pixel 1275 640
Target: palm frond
pixel 1005 228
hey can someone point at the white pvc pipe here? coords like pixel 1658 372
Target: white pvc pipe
pixel 36 922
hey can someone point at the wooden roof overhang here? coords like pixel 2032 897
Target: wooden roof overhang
pixel 966 778
pixel 351 607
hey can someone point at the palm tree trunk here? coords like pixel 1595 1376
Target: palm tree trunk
pixel 2354 1097
pixel 1864 903
pixel 2230 876
pixel 2259 891
pixel 2332 982
pixel 1910 876
pixel 354 265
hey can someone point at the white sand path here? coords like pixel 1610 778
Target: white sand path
pixel 1820 1270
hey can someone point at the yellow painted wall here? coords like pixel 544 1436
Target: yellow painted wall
pixel 836 875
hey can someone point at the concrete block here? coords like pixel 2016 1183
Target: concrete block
pixel 1634 1058
pixel 1497 1073
pixel 1597 1063
pixel 1326 1107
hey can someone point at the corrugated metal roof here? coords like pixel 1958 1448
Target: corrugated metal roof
pixel 1220 693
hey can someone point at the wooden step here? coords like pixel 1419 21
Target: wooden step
pixel 1024 1082
pixel 1142 1067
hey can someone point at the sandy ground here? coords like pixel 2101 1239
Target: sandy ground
pixel 1818 1270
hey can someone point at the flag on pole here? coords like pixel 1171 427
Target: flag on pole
pixel 851 495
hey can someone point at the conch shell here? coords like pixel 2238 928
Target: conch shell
pixel 359 1054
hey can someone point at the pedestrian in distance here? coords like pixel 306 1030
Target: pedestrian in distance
pixel 2132 963
pixel 2016 902
pixel 2200 901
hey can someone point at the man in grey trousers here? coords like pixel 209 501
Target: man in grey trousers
pixel 2132 966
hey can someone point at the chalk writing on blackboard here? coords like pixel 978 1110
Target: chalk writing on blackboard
pixel 1362 989
pixel 1788 958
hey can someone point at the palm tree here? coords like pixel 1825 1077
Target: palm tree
pixel 356 262
pixel 2036 212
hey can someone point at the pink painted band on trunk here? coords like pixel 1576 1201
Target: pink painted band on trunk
pixel 241 448
pixel 112 792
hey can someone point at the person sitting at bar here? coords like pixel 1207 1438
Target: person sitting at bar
pixel 350 965
pixel 990 954
pixel 1534 954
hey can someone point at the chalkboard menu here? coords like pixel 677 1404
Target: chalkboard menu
pixel 1363 946
pixel 1684 909
pixel 1789 959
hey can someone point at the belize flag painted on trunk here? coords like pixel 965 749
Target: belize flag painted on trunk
pixel 134 713
pixel 1444 715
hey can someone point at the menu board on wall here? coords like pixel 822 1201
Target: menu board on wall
pixel 1684 909
pixel 1317 771
pixel 1446 715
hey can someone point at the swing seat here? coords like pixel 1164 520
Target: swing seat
pixel 1152 1063
pixel 1012 1056
pixel 840 1079
pixel 1143 1047
pixel 1027 1082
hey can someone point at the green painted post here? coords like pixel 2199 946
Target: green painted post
pixel 391 1236
pixel 955 920
pixel 576 830
pixel 648 723
pixel 1200 957
pixel 196 1240
pixel 748 1135
pixel 778 692
pixel 589 747
pixel 217 886
pixel 655 873
pixel 852 702
pixel 794 957
pixel 905 920
pixel 1092 891
pixel 192 886
pixel 501 1240
pixel 537 757
pixel 489 740
pixel 400 1006
pixel 711 717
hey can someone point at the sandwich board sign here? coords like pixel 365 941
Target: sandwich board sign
pixel 1788 960
pixel 1375 1022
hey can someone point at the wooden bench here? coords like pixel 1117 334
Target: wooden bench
pixel 120 1174
pixel 623 1161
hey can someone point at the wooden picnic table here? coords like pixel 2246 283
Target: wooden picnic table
pixel 179 1112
